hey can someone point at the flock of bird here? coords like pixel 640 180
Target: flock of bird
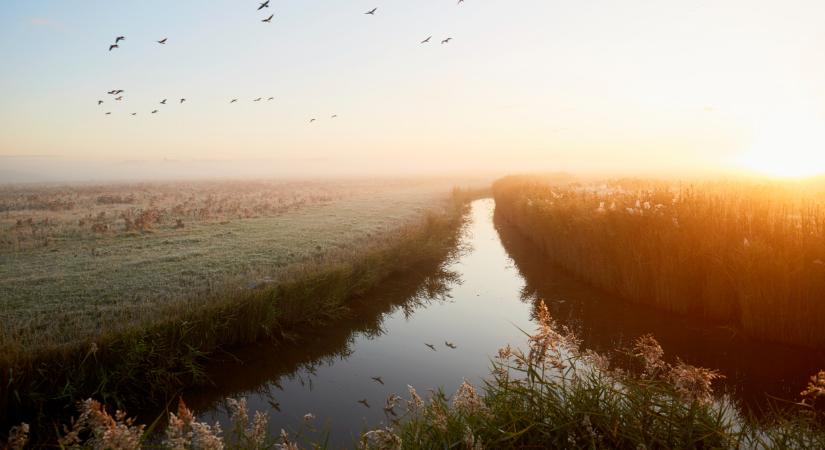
pixel 268 19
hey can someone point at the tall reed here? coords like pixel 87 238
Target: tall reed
pixel 743 253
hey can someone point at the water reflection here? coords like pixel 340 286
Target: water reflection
pixel 473 301
pixel 754 370
pixel 468 301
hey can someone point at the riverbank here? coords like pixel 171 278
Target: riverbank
pixel 148 362
pixel 745 255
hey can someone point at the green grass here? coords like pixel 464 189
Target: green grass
pixel 132 353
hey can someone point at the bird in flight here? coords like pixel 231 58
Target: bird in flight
pixel 447 41
pixel 257 99
pixel 182 100
pixel 270 98
pixel 264 5
pixel 460 2
pixel 275 405
pixel 163 102
pixel 432 347
pixel 364 402
pixel 162 41
pixel 334 116
pixel 426 40
pixel 233 100
pixel 268 19
pixel 154 111
pixel 377 380
pixel 134 114
pixel 119 98
pixel 108 113
pixel 100 102
pixel 450 344
pixel 372 11
pixel 311 120
pixel 120 38
pixel 113 46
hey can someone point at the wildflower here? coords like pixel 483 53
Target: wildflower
pixel 308 417
pixel 466 400
pixel 648 349
pixel 815 388
pixel 505 352
pixel 416 402
pixel 380 439
pixel 285 443
pixel 238 412
pixel 18 436
pixel 185 432
pixel 257 433
pixel 392 402
pixel 693 383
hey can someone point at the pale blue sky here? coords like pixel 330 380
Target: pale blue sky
pixel 529 84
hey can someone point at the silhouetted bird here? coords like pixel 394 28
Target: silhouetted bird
pixel 162 41
pixel 154 111
pixel 432 347
pixel 450 344
pixel 119 98
pixel 275 405
pixel 364 402
pixel 447 41
pixel 108 112
pixel 268 19
pixel 182 100
pixel 111 92
pixel 372 11
pixel 270 98
pixel 460 2
pixel 264 5
pixel 119 38
pixel 311 120
pixel 100 102
pixel 257 99
pixel 163 102
pixel 426 40
pixel 378 380
pixel 113 46
pixel 334 116
pixel 134 114
pixel 233 100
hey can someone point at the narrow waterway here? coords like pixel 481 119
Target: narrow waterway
pixel 478 301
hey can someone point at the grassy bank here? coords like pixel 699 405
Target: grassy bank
pixel 552 394
pixel 147 361
pixel 741 253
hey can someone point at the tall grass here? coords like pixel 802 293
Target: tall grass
pixel 147 363
pixel 742 253
pixel 552 394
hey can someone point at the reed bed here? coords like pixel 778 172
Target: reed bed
pixel 744 253
pixel 552 394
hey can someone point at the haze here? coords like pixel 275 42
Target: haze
pixel 595 86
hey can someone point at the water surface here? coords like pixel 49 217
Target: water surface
pixel 477 300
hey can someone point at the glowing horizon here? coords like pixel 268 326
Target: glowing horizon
pixel 631 87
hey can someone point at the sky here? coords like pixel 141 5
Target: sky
pixel 614 86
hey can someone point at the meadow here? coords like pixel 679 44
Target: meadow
pixel 130 315
pixel 745 253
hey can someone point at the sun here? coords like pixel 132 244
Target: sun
pixel 787 147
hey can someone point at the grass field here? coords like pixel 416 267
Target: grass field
pixel 746 253
pixel 131 316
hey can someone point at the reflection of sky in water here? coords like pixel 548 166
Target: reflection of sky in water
pixel 479 302
pixel 480 313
